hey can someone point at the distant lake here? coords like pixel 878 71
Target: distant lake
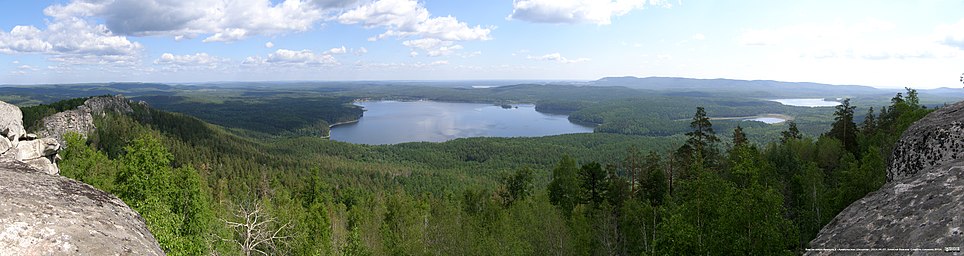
pixel 807 102
pixel 391 122
pixel 767 120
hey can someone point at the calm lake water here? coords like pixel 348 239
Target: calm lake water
pixel 390 122
pixel 767 120
pixel 807 102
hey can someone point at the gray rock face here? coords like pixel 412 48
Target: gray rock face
pixel 81 119
pixel 922 204
pixel 935 140
pixel 102 105
pixel 19 146
pixel 51 215
pixel 11 122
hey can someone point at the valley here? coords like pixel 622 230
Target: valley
pixel 492 167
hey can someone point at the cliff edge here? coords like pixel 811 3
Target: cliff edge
pixel 922 204
pixel 42 213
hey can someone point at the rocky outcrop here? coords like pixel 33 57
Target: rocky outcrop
pixel 81 119
pixel 11 124
pixel 922 204
pixel 16 145
pixel 44 214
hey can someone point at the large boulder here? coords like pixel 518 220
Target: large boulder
pixel 922 204
pixel 51 215
pixel 16 145
pixel 11 122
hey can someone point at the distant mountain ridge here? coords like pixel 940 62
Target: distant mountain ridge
pixel 759 88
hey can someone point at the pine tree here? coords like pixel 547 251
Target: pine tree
pixel 739 138
pixel 592 180
pixel 843 128
pixel 702 140
pixel 792 133
pixel 870 122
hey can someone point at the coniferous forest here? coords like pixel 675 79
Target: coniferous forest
pixel 206 189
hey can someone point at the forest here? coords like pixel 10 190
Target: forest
pixel 708 189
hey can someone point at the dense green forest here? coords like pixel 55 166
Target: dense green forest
pixel 710 189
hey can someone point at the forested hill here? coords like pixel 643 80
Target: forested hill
pixel 200 187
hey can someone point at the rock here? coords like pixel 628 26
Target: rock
pixel 11 122
pixel 104 104
pixel 922 203
pixel 37 148
pixel 933 141
pixel 4 145
pixel 52 215
pixel 81 119
pixel 45 165
pixel 77 120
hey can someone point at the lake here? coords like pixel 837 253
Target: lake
pixel 807 102
pixel 391 122
pixel 767 120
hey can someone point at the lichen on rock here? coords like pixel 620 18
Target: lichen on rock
pixel 922 204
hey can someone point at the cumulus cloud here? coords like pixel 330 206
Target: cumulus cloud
pixel 223 21
pixel 269 45
pixel 556 57
pixel 70 40
pixel 197 59
pixel 293 57
pixel 337 50
pixel 435 36
pixel 433 47
pixel 598 12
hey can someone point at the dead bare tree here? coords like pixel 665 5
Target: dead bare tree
pixel 254 229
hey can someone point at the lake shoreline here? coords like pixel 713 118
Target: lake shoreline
pixel 398 121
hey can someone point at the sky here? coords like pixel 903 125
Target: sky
pixel 888 44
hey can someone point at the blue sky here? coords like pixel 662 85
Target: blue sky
pixel 877 43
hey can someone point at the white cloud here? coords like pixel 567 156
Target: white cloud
pixel 292 57
pixel 70 40
pixel 269 45
pixel 409 19
pixel 337 50
pixel 197 59
pixel 951 35
pixel 698 37
pixel 433 47
pixel 598 12
pixel 228 35
pixel 359 51
pixel 557 58
pixel 222 20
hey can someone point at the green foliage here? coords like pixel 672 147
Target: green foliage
pixel 563 190
pixel 516 187
pixel 843 128
pixel 327 197
pixel 592 181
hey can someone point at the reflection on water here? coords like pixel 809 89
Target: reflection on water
pixel 807 102
pixel 390 122
pixel 768 120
